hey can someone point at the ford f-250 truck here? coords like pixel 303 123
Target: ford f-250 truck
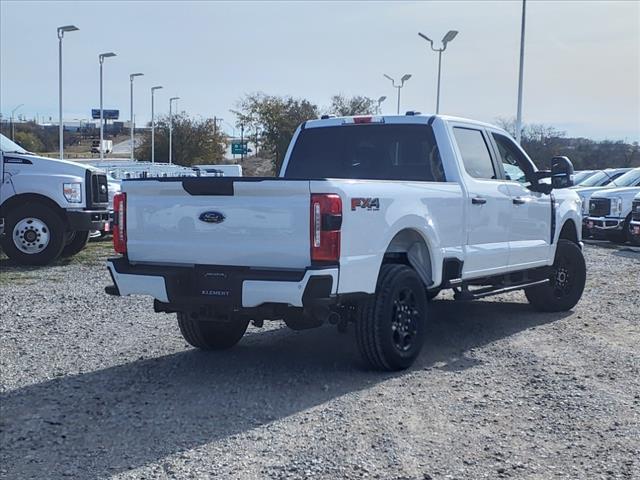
pixel 634 224
pixel 369 217
pixel 47 206
pixel 610 210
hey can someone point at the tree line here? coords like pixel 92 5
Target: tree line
pixel 269 122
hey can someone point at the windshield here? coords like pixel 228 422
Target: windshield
pixel 600 179
pixel 580 177
pixel 7 146
pixel 629 179
pixel 367 152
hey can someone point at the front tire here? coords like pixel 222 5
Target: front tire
pixel 34 234
pixel 390 327
pixel 211 334
pixel 77 243
pixel 566 283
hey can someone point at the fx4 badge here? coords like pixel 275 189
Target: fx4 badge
pixel 365 203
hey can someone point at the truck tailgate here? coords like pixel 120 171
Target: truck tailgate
pixel 218 221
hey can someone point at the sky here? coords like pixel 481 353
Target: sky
pixel 581 71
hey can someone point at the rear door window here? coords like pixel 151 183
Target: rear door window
pixel 475 153
pixel 367 152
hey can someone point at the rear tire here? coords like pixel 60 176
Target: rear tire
pixel 34 234
pixel 77 243
pixel 390 327
pixel 566 283
pixel 211 334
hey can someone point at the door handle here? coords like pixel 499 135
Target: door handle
pixel 478 200
pixel 519 201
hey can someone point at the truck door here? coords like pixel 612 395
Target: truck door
pixel 488 209
pixel 530 231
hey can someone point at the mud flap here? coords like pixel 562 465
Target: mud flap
pixel 419 258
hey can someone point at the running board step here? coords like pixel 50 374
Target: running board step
pixel 465 294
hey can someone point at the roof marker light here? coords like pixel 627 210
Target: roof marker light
pixel 364 119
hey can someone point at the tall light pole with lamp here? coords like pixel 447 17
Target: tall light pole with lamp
pixel 171 100
pixel 101 57
pixel 404 78
pixel 380 100
pixel 451 34
pixel 131 124
pixel 521 75
pixel 61 32
pixel 13 128
pixel 153 125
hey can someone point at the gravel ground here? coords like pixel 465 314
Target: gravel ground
pixel 95 387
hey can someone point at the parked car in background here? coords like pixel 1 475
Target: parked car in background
pixel 48 206
pixel 114 188
pixel 369 217
pixel 582 175
pixel 601 180
pixel 610 210
pixel 634 225
pixel 218 170
pixel 107 146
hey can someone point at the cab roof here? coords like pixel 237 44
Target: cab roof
pixel 409 118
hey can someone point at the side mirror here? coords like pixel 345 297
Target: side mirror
pixel 561 172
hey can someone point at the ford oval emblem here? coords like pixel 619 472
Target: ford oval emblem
pixel 212 217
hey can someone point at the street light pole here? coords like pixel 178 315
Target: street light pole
pixel 521 75
pixel 13 127
pixel 404 78
pixel 153 125
pixel 380 100
pixel 61 30
pixel 451 34
pixel 131 124
pixel 172 99
pixel 101 57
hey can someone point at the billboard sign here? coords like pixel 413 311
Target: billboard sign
pixel 106 114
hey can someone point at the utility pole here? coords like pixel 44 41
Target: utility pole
pixel 241 142
pixel 101 57
pixel 13 127
pixel 61 30
pixel 172 99
pixel 153 125
pixel 132 122
pixel 451 34
pixel 404 78
pixel 521 75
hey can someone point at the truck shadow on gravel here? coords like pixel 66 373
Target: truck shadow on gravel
pixel 111 420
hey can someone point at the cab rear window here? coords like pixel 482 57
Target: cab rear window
pixel 367 152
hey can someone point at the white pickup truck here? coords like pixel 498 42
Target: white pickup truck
pixel 368 219
pixel 48 206
pixel 634 224
pixel 610 210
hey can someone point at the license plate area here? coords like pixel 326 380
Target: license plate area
pixel 220 284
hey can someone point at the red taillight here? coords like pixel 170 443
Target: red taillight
pixel 326 221
pixel 120 223
pixel 362 119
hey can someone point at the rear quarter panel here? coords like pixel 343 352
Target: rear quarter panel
pixel 434 210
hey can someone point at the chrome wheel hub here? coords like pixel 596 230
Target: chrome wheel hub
pixel 31 235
